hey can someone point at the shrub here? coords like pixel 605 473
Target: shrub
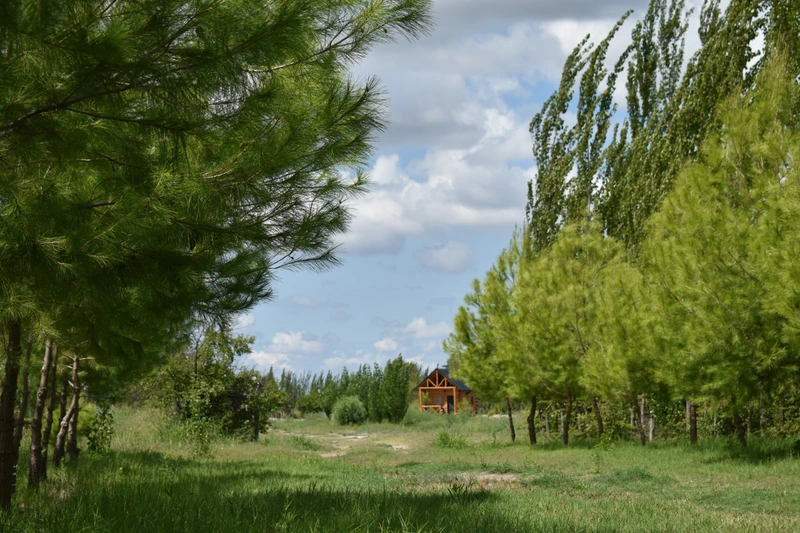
pixel 450 439
pixel 349 410
pixel 101 432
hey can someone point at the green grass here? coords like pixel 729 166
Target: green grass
pixel 311 475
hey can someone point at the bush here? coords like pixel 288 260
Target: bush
pixel 349 410
pixel 451 440
pixel 101 432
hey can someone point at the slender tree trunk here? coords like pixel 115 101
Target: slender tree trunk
pixel 651 437
pixel 61 437
pixel 638 409
pixel 728 426
pixel 532 421
pixel 547 425
pixel 257 416
pixel 26 393
pixel 761 415
pixel 511 421
pixel 716 432
pixel 50 408
pixel 63 399
pixel 599 416
pixel 565 423
pixel 693 423
pixel 35 471
pixel 72 432
pixel 741 431
pixel 8 456
pixel 688 415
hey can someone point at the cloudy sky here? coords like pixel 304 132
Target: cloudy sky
pixel 449 184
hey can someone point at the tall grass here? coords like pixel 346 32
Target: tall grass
pixel 150 483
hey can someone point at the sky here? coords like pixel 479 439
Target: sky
pixel 449 181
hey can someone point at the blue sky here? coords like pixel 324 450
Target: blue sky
pixel 449 184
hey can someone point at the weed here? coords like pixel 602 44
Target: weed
pixel 301 442
pixel 451 440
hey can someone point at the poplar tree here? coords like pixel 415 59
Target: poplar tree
pixel 708 252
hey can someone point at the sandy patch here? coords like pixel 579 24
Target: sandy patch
pixel 333 454
pixel 401 447
pixel 497 477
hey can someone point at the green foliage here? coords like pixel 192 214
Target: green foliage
pixel 203 387
pixel 304 443
pixel 102 430
pixel 451 439
pixel 603 445
pixel 395 389
pixel 658 265
pixel 349 410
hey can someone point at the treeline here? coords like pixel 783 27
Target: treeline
pixel 160 161
pixel 384 392
pixel 654 283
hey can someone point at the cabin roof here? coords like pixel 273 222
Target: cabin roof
pixel 457 383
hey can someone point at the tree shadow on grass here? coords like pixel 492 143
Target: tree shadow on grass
pixel 759 450
pixel 150 492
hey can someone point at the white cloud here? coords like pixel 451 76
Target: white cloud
pixel 244 321
pixel 420 329
pixel 295 342
pixel 458 188
pixel 452 258
pixel 266 359
pixel 386 344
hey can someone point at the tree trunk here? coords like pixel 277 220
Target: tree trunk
pixel 688 415
pixel 638 410
pixel 547 425
pixel 599 416
pixel 761 415
pixel 26 392
pixel 35 471
pixel 72 432
pixel 741 432
pixel 511 421
pixel 8 456
pixel 532 421
pixel 693 423
pixel 61 437
pixel 63 399
pixel 565 423
pixel 651 437
pixel 257 415
pixel 728 426
pixel 50 408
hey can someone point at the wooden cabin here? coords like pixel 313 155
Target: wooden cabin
pixel 440 393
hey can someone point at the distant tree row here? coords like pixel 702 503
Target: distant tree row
pixel 658 264
pixel 384 392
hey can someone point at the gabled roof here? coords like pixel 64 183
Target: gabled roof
pixel 457 383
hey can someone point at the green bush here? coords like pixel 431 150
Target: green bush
pixel 451 439
pixel 349 410
pixel 101 432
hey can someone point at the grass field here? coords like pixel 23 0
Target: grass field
pixel 436 473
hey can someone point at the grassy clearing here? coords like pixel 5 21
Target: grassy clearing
pixel 434 474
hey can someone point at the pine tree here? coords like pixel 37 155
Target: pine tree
pixel 166 158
